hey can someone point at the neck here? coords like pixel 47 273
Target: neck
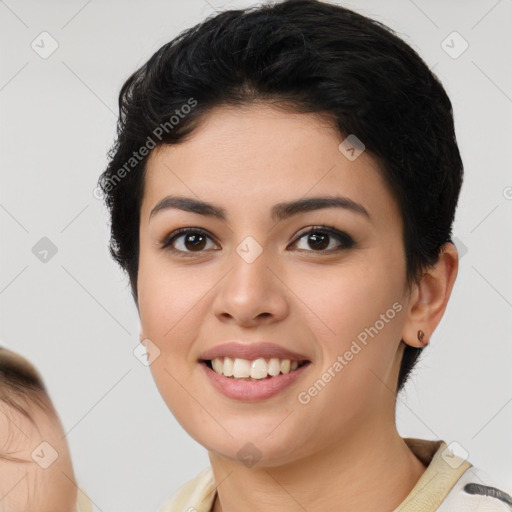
pixel 373 471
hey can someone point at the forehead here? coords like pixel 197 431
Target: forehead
pixel 19 435
pixel 259 153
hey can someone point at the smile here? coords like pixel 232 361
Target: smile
pixel 252 380
pixel 261 368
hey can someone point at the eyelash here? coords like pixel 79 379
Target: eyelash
pixel 346 241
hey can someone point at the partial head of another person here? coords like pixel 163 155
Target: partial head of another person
pixel 36 473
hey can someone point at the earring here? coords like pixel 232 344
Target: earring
pixel 421 335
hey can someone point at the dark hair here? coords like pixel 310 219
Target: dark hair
pixel 19 380
pixel 301 56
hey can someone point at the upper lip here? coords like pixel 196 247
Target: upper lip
pixel 251 351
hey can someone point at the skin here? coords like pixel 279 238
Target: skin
pixel 26 486
pixel 344 440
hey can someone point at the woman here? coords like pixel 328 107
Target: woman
pixel 282 192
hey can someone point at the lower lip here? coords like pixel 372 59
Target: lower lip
pixel 252 391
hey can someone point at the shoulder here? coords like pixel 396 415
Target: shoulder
pixel 195 495
pixel 452 484
pixel 476 491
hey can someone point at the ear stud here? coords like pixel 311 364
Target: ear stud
pixel 421 336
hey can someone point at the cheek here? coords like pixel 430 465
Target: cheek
pixel 163 296
pixel 173 305
pixel 358 317
pixel 357 325
pixel 347 300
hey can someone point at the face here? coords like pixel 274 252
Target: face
pixel 43 481
pixel 326 283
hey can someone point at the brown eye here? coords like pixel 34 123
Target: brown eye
pixel 320 238
pixel 186 240
pixel 194 241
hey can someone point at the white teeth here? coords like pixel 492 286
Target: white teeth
pixel 228 367
pixel 241 368
pixel 217 365
pixel 274 367
pixel 259 369
pixel 256 369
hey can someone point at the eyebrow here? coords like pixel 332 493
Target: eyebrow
pixel 279 212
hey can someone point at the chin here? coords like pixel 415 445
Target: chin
pixel 258 450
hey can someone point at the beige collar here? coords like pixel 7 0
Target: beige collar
pixel 443 471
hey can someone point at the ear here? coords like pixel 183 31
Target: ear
pixel 429 297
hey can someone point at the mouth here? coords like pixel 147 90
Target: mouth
pixel 253 380
pixel 259 369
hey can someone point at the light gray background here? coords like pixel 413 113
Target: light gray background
pixel 73 316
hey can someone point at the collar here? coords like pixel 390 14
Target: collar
pixel 443 470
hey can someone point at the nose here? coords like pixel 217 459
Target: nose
pixel 252 292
